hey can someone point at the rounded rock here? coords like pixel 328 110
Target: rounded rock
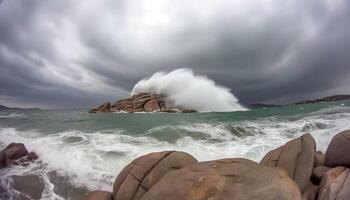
pixel 226 179
pixel 142 173
pixel 337 153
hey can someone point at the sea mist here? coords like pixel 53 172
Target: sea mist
pixel 189 91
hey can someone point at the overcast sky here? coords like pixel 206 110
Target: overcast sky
pixel 78 54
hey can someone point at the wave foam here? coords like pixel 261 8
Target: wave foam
pixel 189 91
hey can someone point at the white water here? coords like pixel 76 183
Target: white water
pixel 186 90
pixel 93 160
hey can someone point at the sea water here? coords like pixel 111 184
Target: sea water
pixel 80 151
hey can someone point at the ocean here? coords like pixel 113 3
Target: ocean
pixel 80 151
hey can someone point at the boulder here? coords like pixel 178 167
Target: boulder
pixel 296 157
pixel 142 173
pixel 30 185
pixel 337 153
pixel 335 185
pixel 226 179
pixel 99 195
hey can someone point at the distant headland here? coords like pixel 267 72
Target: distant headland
pixel 341 97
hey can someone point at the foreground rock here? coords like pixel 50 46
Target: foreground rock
pixel 142 173
pixel 337 153
pixel 296 157
pixel 143 102
pixel 335 185
pixel 238 179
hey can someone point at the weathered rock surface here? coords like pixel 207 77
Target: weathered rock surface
pixel 226 179
pixel 99 195
pixel 335 184
pixel 143 102
pixel 142 173
pixel 296 157
pixel 337 153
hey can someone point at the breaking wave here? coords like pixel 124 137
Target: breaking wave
pixel 189 91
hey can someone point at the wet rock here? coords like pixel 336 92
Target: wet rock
pixel 226 179
pixel 16 154
pixel 142 173
pixel 30 185
pixel 64 188
pixel 99 195
pixel 296 157
pixel 337 153
pixel 15 151
pixel 335 185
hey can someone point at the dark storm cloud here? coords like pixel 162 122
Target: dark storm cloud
pixel 64 54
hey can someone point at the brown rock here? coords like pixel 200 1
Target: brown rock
pixel 337 153
pixel 296 157
pixel 106 107
pixel 152 106
pixel 226 179
pixel 30 185
pixel 335 185
pixel 142 173
pixel 99 195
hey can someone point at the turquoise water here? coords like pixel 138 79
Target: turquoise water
pixel 81 151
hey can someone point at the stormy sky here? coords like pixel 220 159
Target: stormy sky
pixel 78 54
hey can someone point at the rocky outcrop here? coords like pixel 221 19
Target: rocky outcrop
pixel 293 171
pixel 296 157
pixel 143 102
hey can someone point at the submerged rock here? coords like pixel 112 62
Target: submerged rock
pixel 29 185
pixel 143 102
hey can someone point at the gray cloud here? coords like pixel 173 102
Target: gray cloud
pixel 63 54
